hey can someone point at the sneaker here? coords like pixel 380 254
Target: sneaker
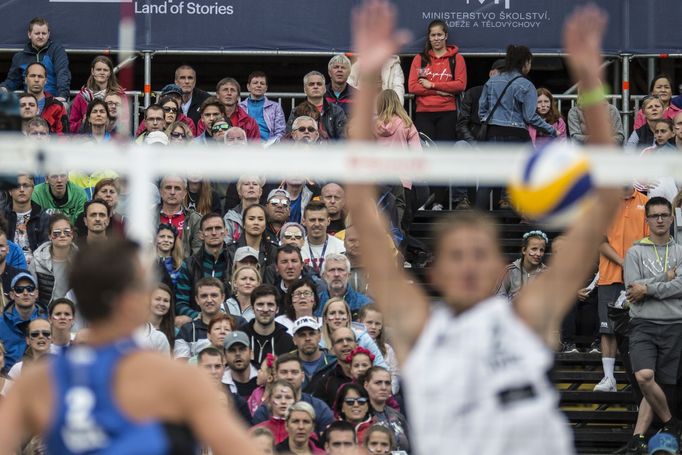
pixel 637 445
pixel 595 348
pixel 570 348
pixel 605 385
pixel 437 207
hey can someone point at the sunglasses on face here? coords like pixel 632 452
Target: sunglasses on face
pixel 220 127
pixel 37 333
pixel 276 201
pixel 293 236
pixel 358 400
pixel 309 129
pixel 62 232
pixel 20 289
pixel 173 110
pixel 178 135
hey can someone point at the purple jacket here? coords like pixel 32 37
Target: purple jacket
pixel 273 116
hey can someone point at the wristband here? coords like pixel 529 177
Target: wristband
pixel 592 97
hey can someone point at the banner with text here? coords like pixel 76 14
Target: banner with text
pixel 314 25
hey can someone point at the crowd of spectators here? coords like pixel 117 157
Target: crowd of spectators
pixel 261 283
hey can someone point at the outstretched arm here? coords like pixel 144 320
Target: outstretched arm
pixel 404 306
pixel 544 302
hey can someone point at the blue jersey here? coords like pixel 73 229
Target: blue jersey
pixel 87 420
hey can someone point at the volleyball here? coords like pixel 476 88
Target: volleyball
pixel 554 184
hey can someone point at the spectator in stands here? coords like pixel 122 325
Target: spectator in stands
pixel 209 295
pixel 370 316
pixel 97 121
pixel 109 189
pixel 38 345
pixel 102 80
pixel 40 48
pixel 377 382
pixel 28 109
pixel 301 194
pixel 15 316
pixel 162 312
pixel 677 125
pixel 244 280
pixel 268 114
pixel 664 134
pixel 644 135
pixel 7 270
pixel 211 109
pixel 437 76
pixel 334 199
pixel 653 290
pixel 357 278
pixel 576 122
pixel 663 444
pixel 117 111
pixel 250 190
pixel 219 129
pixel 255 237
pixel 169 112
pixel 361 360
pixel 38 129
pixel 179 133
pixel 241 375
pixel 169 252
pixel 219 327
pixel 97 214
pixel 335 273
pixel 265 379
pixel 278 211
pixel 174 92
pixel 548 110
pixel 307 335
pixel 212 260
pixel 288 267
pixel 661 88
pixel 172 190
pixel 201 197
pixel 340 438
pixel 300 424
pixel 318 244
pixel 628 227
pixel 27 223
pixel 392 77
pixel 517 108
pixel 282 396
pixel 326 382
pixel 337 315
pixel 192 97
pixel 264 441
pixel 338 91
pixel 266 335
pixel 154 120
pixel 379 440
pixel 288 367
pixel 352 405
pixel 52 260
pixel 51 109
pixel 235 137
pixel 292 234
pixel 61 313
pixel 305 130
pixel 468 121
pixel 517 274
pixel 332 118
pixel 300 301
pixel 59 194
pixel 227 92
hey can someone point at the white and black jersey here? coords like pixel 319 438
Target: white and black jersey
pixel 477 383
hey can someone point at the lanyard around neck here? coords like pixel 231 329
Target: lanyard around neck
pixel 658 258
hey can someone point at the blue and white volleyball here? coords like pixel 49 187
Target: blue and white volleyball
pixel 554 184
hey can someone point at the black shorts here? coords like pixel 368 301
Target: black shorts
pixel 620 321
pixel 606 297
pixel 656 347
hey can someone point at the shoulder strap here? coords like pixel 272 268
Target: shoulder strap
pixel 453 65
pixel 499 100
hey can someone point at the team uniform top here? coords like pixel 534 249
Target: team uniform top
pixel 477 383
pixel 86 418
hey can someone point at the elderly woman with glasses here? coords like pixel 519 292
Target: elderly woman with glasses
pixel 52 260
pixel 527 267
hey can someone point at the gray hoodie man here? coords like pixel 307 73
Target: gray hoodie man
pixel 648 264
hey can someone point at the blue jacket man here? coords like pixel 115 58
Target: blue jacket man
pixel 335 274
pixel 17 315
pixel 40 48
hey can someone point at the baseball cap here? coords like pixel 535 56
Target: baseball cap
pixel 171 89
pixel 305 321
pixel 244 252
pixel 156 137
pixel 236 337
pixel 662 442
pixel 279 192
pixel 23 276
pixel 498 64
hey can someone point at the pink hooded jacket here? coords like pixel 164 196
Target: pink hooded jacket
pixel 396 132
